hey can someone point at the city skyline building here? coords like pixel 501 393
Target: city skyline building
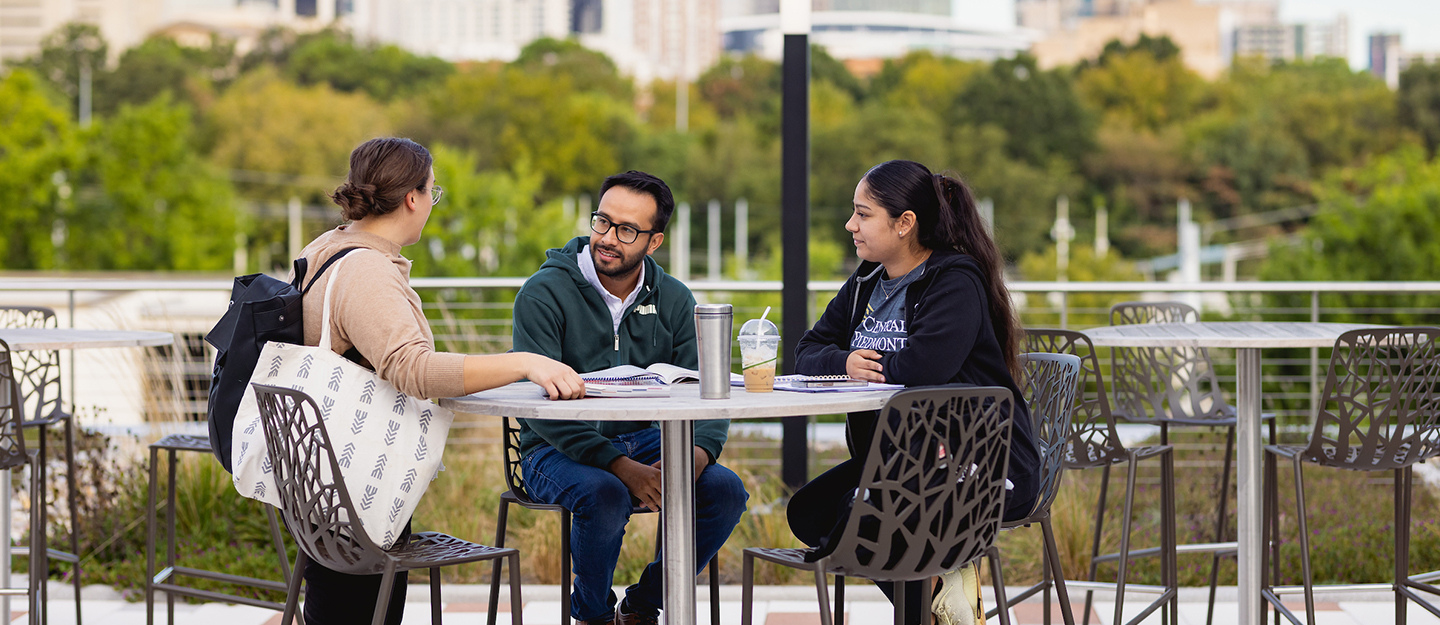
pixel 1294 42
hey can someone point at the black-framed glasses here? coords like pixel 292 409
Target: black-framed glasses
pixel 627 234
pixel 435 193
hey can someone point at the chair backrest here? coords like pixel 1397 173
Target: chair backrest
pixel 1093 439
pixel 514 478
pixel 316 506
pixel 36 371
pixel 1381 407
pixel 933 488
pixel 12 443
pixel 1050 386
pixel 1164 382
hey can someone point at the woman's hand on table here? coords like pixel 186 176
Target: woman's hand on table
pixel 557 378
pixel 864 364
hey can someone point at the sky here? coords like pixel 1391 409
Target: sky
pixel 1417 21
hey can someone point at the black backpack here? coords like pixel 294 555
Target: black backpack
pixel 262 309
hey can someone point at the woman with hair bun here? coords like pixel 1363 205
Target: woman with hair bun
pixel 927 306
pixel 377 321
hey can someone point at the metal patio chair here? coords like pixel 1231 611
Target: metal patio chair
pixel 516 494
pixel 930 499
pixel 13 456
pixel 1168 386
pixel 1380 411
pixel 1049 386
pixel 38 372
pixel 1094 443
pixel 320 514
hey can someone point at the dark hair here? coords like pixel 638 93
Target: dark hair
pixel 946 218
pixel 382 171
pixel 641 182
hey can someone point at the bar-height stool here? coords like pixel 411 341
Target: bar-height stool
pixel 38 375
pixel 516 494
pixel 1093 442
pixel 1049 386
pixel 1168 386
pixel 1380 411
pixel 13 455
pixel 164 580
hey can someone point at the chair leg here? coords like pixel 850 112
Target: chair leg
pixel 822 592
pixel 898 599
pixel 1124 560
pixel 292 593
pixel 1270 532
pixel 150 539
pixel 38 497
pixel 517 603
pixel 715 590
pixel 1304 543
pixel 747 588
pixel 1057 574
pixel 37 545
pixel 839 600
pixel 1095 543
pixel 1168 536
pixel 279 540
pixel 997 578
pixel 500 521
pixel 564 567
pixel 382 602
pixel 170 556
pixel 1220 519
pixel 70 487
pixel 1402 541
pixel 435 595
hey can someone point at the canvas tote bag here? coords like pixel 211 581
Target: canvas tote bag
pixel 388 444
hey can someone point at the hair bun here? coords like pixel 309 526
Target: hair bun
pixel 356 201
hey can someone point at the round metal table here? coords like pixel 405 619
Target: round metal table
pixel 1247 338
pixel 675 413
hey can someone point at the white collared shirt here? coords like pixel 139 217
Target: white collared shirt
pixel 616 305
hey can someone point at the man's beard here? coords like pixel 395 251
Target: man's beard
pixel 625 264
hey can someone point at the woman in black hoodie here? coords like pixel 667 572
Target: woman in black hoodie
pixel 927 306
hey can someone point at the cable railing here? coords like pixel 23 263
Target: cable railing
pixel 474 314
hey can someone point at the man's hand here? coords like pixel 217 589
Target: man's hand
pixel 702 460
pixel 864 364
pixel 643 481
pixel 557 378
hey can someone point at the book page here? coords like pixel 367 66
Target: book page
pixel 622 372
pixel 672 374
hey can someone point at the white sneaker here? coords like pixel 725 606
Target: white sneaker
pixel 958 600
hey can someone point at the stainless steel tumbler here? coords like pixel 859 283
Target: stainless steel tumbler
pixel 712 334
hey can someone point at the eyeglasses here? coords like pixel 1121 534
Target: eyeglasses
pixel 435 193
pixel 627 234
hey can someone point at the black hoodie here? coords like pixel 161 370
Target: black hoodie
pixel 951 340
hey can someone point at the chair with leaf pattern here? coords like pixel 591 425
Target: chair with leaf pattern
pixel 320 514
pixel 930 499
pixel 14 456
pixel 1380 411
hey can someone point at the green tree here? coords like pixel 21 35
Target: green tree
pixel 924 81
pixel 38 145
pixel 1419 101
pixel 161 65
pixel 333 57
pixel 67 54
pixel 151 203
pixel 1040 112
pixel 1083 265
pixel 586 69
pixel 1142 90
pixel 1376 223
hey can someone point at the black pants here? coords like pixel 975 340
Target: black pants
pixel 817 514
pixel 338 599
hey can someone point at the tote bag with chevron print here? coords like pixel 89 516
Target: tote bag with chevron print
pixel 388 444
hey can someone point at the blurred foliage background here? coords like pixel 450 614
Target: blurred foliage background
pixel 189 146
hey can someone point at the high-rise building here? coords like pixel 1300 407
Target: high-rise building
pixel 1292 42
pixel 1384 55
pixel 651 39
pixel 862 30
pixel 460 30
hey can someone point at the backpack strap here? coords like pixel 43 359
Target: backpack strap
pixel 325 316
pixel 332 260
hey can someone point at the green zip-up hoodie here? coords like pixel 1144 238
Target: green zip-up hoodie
pixel 560 315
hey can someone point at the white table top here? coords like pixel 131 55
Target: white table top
pixel 523 400
pixel 28 339
pixel 1237 334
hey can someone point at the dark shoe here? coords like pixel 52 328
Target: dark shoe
pixel 625 617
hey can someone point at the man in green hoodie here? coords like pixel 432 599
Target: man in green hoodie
pixel 596 303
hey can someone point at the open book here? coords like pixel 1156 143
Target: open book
pixel 652 381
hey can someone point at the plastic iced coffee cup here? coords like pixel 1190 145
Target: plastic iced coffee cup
pixel 759 341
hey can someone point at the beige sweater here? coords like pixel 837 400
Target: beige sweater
pixel 374 310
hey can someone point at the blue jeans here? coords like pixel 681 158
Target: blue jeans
pixel 600 506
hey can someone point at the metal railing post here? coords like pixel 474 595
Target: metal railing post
pixel 1314 356
pixel 73 407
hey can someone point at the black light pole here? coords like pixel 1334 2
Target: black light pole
pixel 795 215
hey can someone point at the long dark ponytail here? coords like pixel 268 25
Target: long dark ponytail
pixel 947 219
